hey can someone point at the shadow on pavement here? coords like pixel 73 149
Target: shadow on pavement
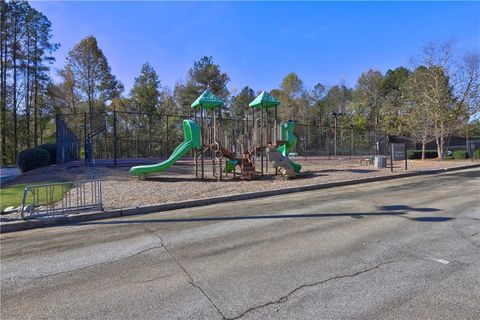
pixel 281 216
pixel 398 207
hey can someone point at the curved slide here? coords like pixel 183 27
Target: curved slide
pixel 192 139
pixel 291 140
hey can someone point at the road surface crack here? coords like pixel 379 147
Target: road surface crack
pixel 156 278
pixel 285 297
pixel 190 278
pixel 29 279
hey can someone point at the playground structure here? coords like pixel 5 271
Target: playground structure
pixel 257 147
pixel 114 137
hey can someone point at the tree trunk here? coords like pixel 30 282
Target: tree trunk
pixel 442 134
pixel 27 94
pixel 35 97
pixel 4 100
pixel 14 62
pixel 423 151
pixel 3 68
pixel 72 93
pixel 437 141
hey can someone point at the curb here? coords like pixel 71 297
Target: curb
pixel 64 220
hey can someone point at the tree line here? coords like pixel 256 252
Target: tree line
pixel 25 54
pixel 429 101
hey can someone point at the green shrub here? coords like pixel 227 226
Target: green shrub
pixel 52 151
pixel 460 154
pixel 476 154
pixel 448 157
pixel 417 154
pixel 82 152
pixel 32 158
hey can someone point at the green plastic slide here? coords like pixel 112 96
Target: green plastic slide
pixel 291 140
pixel 192 139
pixel 230 166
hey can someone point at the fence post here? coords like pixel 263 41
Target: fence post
pixel 202 131
pixel 85 137
pixel 114 137
pixel 166 144
pixel 305 136
pixel 391 157
pixel 150 116
pixel 328 140
pixel 136 136
pixel 351 142
pixel 57 142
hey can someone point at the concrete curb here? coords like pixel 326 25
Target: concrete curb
pixel 57 221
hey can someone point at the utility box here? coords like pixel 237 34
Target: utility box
pixel 380 162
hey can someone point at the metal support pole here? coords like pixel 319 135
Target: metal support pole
pixel 114 137
pixel 261 142
pixel 195 151
pixel 203 140
pixel 351 142
pixel 305 141
pixel 267 136
pixel 254 136
pixel 466 141
pixel 405 145
pixel 150 136
pixel 335 137
pixel 275 127
pixel 234 144
pixel 254 129
pixel 391 157
pixel 57 142
pixel 166 144
pixel 85 136
pixel 308 140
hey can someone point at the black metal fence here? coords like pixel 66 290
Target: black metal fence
pixel 314 140
pixel 119 135
pixel 68 143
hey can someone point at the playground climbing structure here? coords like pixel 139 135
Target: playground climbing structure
pixel 258 146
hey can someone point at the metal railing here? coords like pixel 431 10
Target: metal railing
pixel 61 198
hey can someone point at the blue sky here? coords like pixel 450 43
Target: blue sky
pixel 258 43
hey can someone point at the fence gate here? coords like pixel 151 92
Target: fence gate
pixel 68 142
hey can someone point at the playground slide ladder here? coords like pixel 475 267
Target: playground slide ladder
pixel 248 169
pixel 247 165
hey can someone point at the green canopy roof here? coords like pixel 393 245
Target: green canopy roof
pixel 208 100
pixel 264 100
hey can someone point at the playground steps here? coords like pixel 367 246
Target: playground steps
pixel 283 164
pixel 248 169
pixel 227 153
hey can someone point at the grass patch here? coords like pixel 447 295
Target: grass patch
pixel 13 195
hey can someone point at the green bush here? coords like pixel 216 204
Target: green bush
pixel 82 152
pixel 476 154
pixel 52 151
pixel 417 154
pixel 32 158
pixel 460 154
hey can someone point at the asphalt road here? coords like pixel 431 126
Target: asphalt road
pixel 7 174
pixel 403 249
